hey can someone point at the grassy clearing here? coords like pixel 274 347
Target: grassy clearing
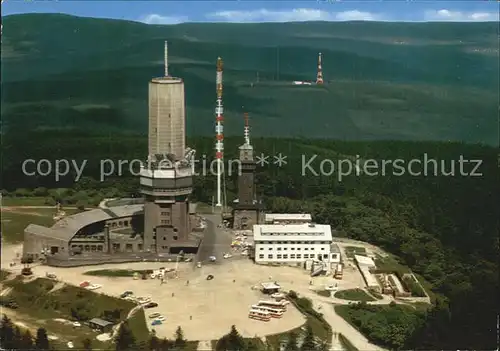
pixel 354 295
pixel 14 223
pixel 112 273
pixel 3 274
pixel 319 326
pixel 346 343
pixel 350 251
pixel 324 293
pixel 376 294
pixel 69 302
pixel 137 324
pixel 390 264
pixel 23 201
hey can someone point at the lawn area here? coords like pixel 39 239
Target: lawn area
pixel 114 272
pixel 319 326
pixel 137 324
pixel 353 295
pixel 23 201
pixel 390 264
pixel 14 223
pixel 3 274
pixel 324 293
pixel 69 302
pixel 346 343
pixel 350 251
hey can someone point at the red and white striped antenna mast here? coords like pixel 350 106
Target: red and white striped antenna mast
pixel 319 76
pixel 219 132
pixel 246 129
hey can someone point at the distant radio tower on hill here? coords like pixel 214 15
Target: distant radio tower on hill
pixel 319 76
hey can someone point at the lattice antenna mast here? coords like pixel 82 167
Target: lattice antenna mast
pixel 165 59
pixel 219 132
pixel 319 77
pixel 246 129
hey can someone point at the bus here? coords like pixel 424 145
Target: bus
pixel 274 304
pixel 274 312
pixel 259 315
pixel 338 271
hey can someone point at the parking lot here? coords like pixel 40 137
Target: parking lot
pixel 218 303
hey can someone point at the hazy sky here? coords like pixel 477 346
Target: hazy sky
pixel 169 12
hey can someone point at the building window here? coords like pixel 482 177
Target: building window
pixel 285 248
pixel 270 249
pixel 261 256
pixel 261 248
pixel 270 257
pixel 164 238
pixel 306 248
pixel 285 257
pixel 325 256
pixel 292 248
pixel 322 248
pixel 299 256
pixel 278 257
pixel 176 230
pixel 306 255
pixel 292 256
pixel 176 237
pixel 279 248
pixel 298 249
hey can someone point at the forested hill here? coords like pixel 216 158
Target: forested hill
pixel 409 81
pixel 444 227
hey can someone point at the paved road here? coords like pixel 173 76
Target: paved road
pixel 216 241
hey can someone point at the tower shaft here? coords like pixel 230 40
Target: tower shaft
pixel 319 76
pixel 219 131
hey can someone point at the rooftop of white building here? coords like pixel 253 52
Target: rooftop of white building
pixel 292 232
pixel 271 217
pixel 364 261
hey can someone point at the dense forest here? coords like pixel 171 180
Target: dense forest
pixel 445 228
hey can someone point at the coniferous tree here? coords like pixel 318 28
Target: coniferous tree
pixel 179 342
pixel 166 345
pixel 17 337
pixel 7 333
pixel 26 341
pixel 87 344
pixel 125 340
pixel 41 341
pixel 308 344
pixel 235 340
pixel 153 342
pixel 292 342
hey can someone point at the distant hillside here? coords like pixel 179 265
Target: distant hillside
pixel 416 81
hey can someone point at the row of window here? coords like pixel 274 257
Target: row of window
pixel 293 248
pixel 292 256
pixel 292 242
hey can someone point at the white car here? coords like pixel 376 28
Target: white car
pixel 76 324
pixel 154 315
pixel 198 264
pixel 161 318
pixel 212 258
pixel 226 255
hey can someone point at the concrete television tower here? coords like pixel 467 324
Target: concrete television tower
pixel 319 76
pixel 167 178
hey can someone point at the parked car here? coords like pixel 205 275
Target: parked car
pixel 212 258
pixel 154 315
pixel 151 305
pixel 126 294
pixel 210 277
pixel 76 324
pixel 156 322
pixel 227 255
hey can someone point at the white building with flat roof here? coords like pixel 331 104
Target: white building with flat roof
pixel 292 243
pixel 287 218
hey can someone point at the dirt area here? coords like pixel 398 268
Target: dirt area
pixel 201 299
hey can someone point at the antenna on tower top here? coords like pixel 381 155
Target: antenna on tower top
pixel 165 58
pixel 247 129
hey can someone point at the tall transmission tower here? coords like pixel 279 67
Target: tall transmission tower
pixel 319 76
pixel 219 132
